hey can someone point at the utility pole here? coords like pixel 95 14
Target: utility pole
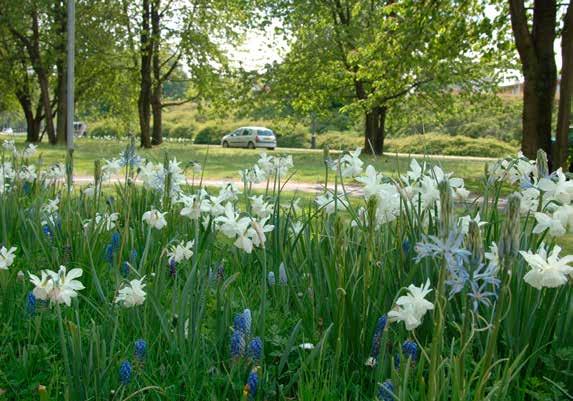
pixel 71 43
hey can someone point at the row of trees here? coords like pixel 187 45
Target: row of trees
pixel 363 57
pixel 127 50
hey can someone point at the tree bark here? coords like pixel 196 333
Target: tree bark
pixel 565 92
pixel 375 121
pixel 61 84
pixel 535 50
pixel 33 122
pixel 145 89
pixel 156 104
pixel 41 73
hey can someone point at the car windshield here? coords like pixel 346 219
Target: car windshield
pixel 265 132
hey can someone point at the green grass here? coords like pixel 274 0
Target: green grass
pixel 341 278
pixel 222 163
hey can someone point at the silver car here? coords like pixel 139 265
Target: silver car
pixel 250 137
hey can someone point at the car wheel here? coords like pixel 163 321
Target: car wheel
pixel 271 148
pixel 225 144
pixel 251 145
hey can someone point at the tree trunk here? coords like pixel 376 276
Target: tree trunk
pixel 538 97
pixel 145 79
pixel 535 49
pixel 157 134
pixel 43 81
pixel 32 123
pixel 375 120
pixel 565 92
pixel 61 84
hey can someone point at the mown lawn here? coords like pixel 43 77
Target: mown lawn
pixel 222 163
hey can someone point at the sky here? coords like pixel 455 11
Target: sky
pixel 261 47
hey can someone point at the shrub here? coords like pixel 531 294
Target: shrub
pixel 104 128
pixel 295 140
pixel 166 128
pixel 182 131
pixel 438 144
pixel 340 140
pixel 210 136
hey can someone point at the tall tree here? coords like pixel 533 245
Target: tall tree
pixel 372 54
pixel 535 30
pixel 565 91
pixel 535 48
pixel 16 77
pixel 23 21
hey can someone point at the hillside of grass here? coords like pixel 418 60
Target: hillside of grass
pixel 191 123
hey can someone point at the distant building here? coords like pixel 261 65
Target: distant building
pixel 515 89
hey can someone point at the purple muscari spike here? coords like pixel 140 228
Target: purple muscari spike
pixel 109 254
pixel 386 391
pixel 133 257
pixel 31 303
pixel 410 350
pixel 248 321
pixel 256 349
pixel 237 344
pixel 115 241
pixel 48 231
pixel 252 384
pixel 125 269
pixel 140 349
pixel 125 372
pixel 172 267
pixel 377 337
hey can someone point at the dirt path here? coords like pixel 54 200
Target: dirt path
pixel 307 187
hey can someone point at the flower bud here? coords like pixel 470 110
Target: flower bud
pixel 542 164
pixel 446 208
pixel 509 239
pixel 475 243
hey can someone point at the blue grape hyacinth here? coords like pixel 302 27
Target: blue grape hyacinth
pixel 377 337
pixel 386 391
pixel 31 303
pixel 172 267
pixel 133 257
pixel 48 232
pixel 256 349
pixel 125 373
pixel 237 344
pixel 125 268
pixel 109 254
pixel 250 390
pixel 243 321
pixel 410 350
pixel 140 349
pixel 115 241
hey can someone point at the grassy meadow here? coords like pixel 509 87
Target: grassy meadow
pixel 165 291
pixel 219 163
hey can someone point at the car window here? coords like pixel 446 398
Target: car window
pixel 246 132
pixel 265 132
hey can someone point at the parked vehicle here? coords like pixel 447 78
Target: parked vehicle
pixel 250 137
pixel 80 128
